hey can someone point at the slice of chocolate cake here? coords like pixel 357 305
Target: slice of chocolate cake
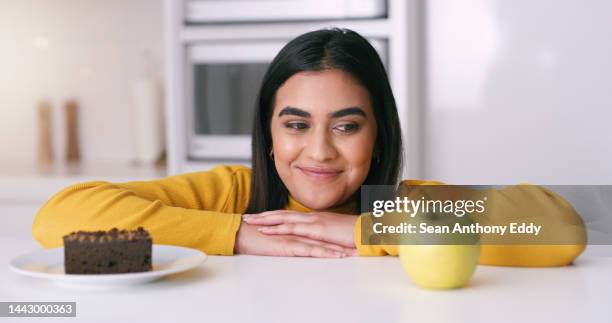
pixel 107 252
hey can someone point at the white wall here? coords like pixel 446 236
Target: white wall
pixel 88 50
pixel 519 90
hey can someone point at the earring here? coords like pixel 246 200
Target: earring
pixel 271 154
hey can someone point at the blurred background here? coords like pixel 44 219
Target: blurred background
pixel 489 91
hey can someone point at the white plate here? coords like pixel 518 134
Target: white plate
pixel 49 264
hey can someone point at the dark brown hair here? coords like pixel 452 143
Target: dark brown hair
pixel 340 49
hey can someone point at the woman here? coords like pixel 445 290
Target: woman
pixel 326 123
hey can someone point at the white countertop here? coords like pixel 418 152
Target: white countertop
pixel 268 289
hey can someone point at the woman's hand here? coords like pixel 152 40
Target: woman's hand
pixel 334 228
pixel 251 241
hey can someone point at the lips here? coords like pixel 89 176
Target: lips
pixel 320 172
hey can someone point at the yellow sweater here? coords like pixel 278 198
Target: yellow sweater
pixel 203 210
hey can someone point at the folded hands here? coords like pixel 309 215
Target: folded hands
pixel 291 233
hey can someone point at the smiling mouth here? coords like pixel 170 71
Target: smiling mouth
pixel 320 173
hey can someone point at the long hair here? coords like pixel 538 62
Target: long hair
pixel 340 49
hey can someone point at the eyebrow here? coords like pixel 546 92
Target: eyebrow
pixel 336 114
pixel 293 111
pixel 347 112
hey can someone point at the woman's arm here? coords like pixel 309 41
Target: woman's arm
pixel 198 210
pixel 512 202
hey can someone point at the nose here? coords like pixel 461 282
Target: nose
pixel 320 147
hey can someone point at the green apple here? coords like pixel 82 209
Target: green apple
pixel 439 266
pixel 439 260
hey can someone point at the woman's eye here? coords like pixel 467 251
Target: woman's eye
pixel 296 125
pixel 348 127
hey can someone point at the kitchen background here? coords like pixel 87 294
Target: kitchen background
pixel 490 91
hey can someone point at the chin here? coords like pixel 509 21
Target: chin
pixel 320 201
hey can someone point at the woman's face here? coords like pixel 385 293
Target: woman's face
pixel 323 135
